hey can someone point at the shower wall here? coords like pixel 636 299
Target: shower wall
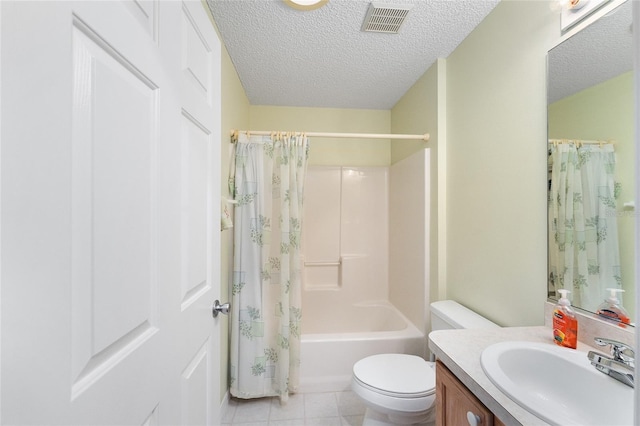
pixel 409 216
pixel 365 237
pixel 345 236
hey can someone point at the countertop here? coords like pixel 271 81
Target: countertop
pixel 460 351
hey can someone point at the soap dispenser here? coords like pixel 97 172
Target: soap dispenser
pixel 565 323
pixel 611 309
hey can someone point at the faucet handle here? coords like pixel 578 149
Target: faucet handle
pixel 620 351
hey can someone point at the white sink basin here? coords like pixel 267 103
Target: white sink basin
pixel 558 385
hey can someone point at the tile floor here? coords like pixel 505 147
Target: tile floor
pixel 308 409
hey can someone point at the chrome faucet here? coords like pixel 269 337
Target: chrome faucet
pixel 620 365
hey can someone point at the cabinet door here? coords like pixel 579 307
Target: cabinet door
pixel 456 405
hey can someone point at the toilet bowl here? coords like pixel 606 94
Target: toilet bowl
pixel 398 389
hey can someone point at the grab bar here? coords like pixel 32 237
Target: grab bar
pixel 338 263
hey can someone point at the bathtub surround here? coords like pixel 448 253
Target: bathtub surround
pixel 410 236
pixel 268 184
pixel 345 238
pixel 362 294
pixel 365 238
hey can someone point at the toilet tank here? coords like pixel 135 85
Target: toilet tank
pixel 448 314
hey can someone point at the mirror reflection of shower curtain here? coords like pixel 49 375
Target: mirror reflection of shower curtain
pixel 583 232
pixel 267 182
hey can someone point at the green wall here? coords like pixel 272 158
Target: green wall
pixel 496 164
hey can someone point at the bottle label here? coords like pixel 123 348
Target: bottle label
pixel 565 329
pixel 614 315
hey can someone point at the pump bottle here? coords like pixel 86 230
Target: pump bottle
pixel 565 323
pixel 611 309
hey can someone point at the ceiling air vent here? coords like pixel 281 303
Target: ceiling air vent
pixel 385 18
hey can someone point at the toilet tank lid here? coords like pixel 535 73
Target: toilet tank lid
pixel 459 316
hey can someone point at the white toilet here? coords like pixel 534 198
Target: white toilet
pixel 400 389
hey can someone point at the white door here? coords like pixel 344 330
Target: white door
pixel 109 232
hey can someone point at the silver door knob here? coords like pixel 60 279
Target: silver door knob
pixel 218 308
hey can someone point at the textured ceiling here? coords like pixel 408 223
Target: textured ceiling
pixel 598 53
pixel 321 58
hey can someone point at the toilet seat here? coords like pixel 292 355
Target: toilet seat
pixel 395 382
pixel 397 375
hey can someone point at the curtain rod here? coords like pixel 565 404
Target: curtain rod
pixel 579 142
pixel 424 137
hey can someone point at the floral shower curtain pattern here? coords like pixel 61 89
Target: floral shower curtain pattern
pixel 267 180
pixel 583 232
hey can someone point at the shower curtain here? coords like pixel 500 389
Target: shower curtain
pixel 583 232
pixel 267 180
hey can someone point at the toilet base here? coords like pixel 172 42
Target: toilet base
pixel 375 418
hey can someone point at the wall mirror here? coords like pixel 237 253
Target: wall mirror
pixel 591 155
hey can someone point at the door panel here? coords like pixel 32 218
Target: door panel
pixel 146 12
pixel 113 199
pixel 109 191
pixel 200 195
pixel 197 57
pixel 196 147
pixel 195 388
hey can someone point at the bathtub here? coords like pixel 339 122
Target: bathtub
pixel 335 338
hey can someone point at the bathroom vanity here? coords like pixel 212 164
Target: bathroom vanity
pixel 456 404
pixel 460 350
pixel 463 387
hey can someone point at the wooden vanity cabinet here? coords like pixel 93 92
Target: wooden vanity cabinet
pixel 456 405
